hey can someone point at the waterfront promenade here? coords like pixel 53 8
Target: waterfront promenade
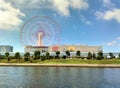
pixel 61 65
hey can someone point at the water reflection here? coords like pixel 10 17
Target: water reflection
pixel 59 77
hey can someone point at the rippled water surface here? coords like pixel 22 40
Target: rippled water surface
pixel 59 77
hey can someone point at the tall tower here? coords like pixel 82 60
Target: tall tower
pixel 40 39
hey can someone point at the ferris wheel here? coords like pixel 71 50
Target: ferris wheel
pixel 40 27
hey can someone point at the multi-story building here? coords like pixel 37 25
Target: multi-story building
pixel 36 48
pixel 6 48
pixel 63 48
pixel 74 48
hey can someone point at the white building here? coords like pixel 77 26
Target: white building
pixel 63 48
pixel 6 48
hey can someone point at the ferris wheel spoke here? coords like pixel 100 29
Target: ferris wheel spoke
pixel 40 24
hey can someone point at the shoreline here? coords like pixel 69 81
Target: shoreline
pixel 60 65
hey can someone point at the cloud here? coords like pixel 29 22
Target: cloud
pixel 112 43
pixel 113 14
pixel 83 19
pixel 115 42
pixel 107 1
pixel 118 38
pixel 9 16
pixel 60 6
pixel 63 6
pixel 108 4
pixel 22 4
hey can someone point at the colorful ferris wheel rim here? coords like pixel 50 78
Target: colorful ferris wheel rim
pixel 40 24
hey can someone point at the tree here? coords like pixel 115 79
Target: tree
pixel 119 55
pixel 67 53
pixel 94 56
pixel 37 55
pixel 17 55
pixel 57 54
pixel 100 55
pixel 27 56
pixel 78 53
pixel 89 56
pixel 31 59
pixel 7 56
pixel 0 56
pixel 47 55
pixel 111 55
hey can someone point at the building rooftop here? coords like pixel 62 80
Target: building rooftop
pixel 36 46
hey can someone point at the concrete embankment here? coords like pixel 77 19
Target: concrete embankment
pixel 61 65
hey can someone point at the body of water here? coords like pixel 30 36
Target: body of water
pixel 59 77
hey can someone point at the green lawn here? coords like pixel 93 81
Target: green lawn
pixel 66 61
pixel 77 61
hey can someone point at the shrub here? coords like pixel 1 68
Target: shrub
pixel 64 57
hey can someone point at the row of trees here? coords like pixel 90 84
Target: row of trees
pixel 37 55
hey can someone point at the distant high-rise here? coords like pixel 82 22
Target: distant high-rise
pixel 6 48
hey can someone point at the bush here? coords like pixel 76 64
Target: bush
pixel 43 58
pixel 2 57
pixel 26 59
pixel 89 56
pixel 64 57
pixel 51 57
pixel 37 55
pixel 99 58
pixel 57 57
pixel 8 59
pixel 12 57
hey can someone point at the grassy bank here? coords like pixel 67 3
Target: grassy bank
pixel 65 61
pixel 77 61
